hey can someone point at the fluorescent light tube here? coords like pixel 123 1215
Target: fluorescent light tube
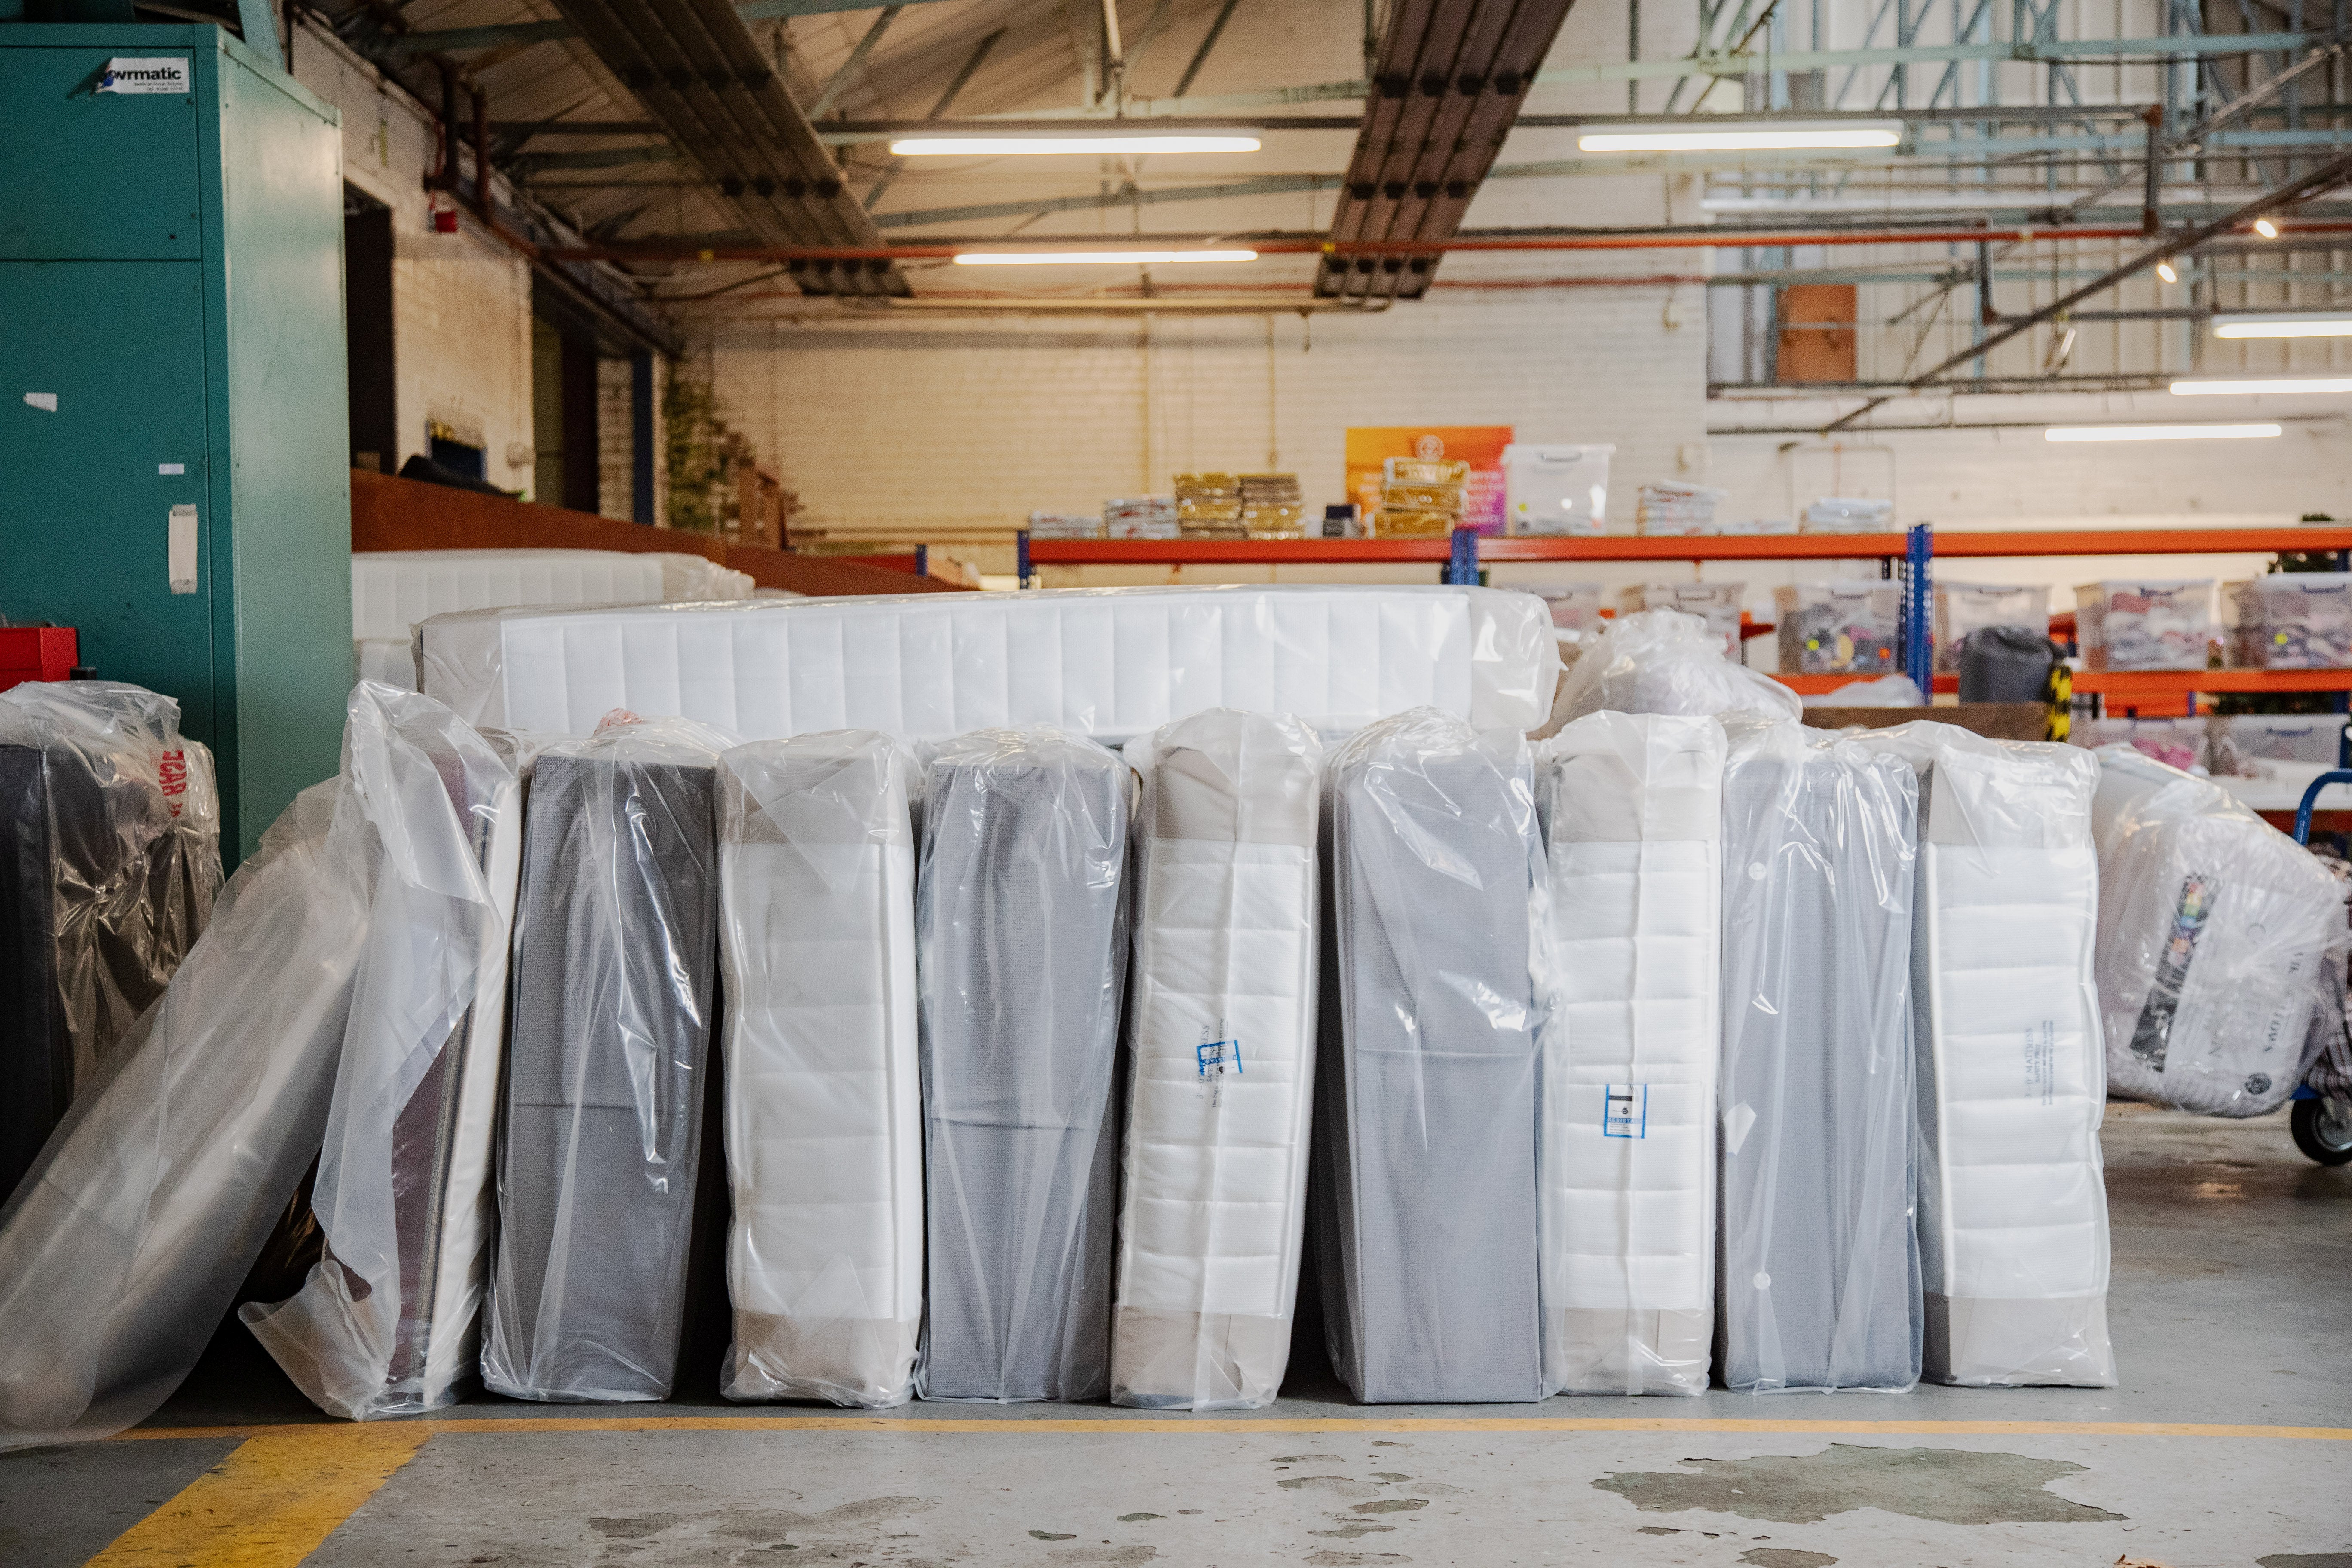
pixel 1065 146
pixel 2285 324
pixel 2266 228
pixel 2159 432
pixel 2275 383
pixel 1094 257
pixel 2164 269
pixel 1749 138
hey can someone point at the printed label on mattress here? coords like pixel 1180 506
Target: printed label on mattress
pixel 2041 1061
pixel 1214 1057
pixel 1625 1110
pixel 2153 1029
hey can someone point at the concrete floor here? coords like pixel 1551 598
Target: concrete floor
pixel 2231 1308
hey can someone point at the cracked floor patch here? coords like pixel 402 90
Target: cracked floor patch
pixel 1952 1486
pixel 1785 1557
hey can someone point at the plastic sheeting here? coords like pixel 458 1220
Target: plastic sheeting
pixel 110 861
pixel 386 1323
pixel 1663 661
pixel 2012 1207
pixel 824 1259
pixel 615 959
pixel 1221 1042
pixel 1020 915
pixel 1632 808
pixel 1435 976
pixel 124 1247
pixel 1819 1265
pixel 2219 940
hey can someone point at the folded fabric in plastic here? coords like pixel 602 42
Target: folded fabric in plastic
pixel 1819 1270
pixel 1222 1065
pixel 1663 661
pixel 1109 663
pixel 127 1242
pixel 110 860
pixel 825 1258
pixel 616 950
pixel 2218 937
pixel 1020 915
pixel 2012 1216
pixel 386 1323
pixel 1425 1134
pixel 1632 808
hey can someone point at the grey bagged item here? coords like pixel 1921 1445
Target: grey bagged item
pixel 1425 1131
pixel 1663 661
pixel 1220 1039
pixel 2007 664
pixel 126 1243
pixel 615 960
pixel 2012 1206
pixel 1819 1265
pixel 110 861
pixel 388 1322
pixel 1021 917
pixel 824 1120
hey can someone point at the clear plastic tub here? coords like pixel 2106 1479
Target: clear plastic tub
pixel 1965 607
pixel 2275 737
pixel 1840 629
pixel 2147 624
pixel 2290 620
pixel 1575 606
pixel 1717 604
pixel 1555 489
pixel 2177 742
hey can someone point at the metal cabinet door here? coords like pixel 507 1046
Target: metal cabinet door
pixel 94 176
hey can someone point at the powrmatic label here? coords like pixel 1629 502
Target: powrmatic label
pixel 167 73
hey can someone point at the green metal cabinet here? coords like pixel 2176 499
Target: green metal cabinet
pixel 171 337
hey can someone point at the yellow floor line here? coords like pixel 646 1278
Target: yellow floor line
pixel 269 1504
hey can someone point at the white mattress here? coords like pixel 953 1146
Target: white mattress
pixel 2013 1205
pixel 1109 663
pixel 1634 825
pixel 1222 1031
pixel 2219 936
pixel 825 1258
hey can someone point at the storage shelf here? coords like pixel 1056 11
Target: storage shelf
pixel 2126 684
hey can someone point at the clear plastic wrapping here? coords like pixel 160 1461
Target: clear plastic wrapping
pixel 386 1323
pixel 615 960
pixel 1819 1264
pixel 1663 661
pixel 110 861
pixel 2221 941
pixel 824 1260
pixel 1633 813
pixel 2012 1208
pixel 1021 918
pixel 1220 1037
pixel 1435 983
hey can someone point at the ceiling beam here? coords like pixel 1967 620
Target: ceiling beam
pixel 537 32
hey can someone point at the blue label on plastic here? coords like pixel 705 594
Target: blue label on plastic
pixel 1625 1113
pixel 1215 1055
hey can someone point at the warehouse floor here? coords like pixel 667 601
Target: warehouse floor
pixel 2230 1443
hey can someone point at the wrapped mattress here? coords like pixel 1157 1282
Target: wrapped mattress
pixel 388 1322
pixel 615 959
pixel 1665 661
pixel 1108 663
pixel 110 860
pixel 1221 1042
pixel 1425 1133
pixel 1819 1274
pixel 2012 1216
pixel 2219 940
pixel 1632 808
pixel 1021 914
pixel 825 1258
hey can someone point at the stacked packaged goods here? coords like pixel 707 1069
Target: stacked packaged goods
pixel 1271 506
pixel 2146 624
pixel 1849 514
pixel 1421 497
pixel 1209 506
pixel 1667 507
pixel 1065 525
pixel 1141 517
pixel 2290 620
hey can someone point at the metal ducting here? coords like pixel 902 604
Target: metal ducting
pixel 694 65
pixel 1451 79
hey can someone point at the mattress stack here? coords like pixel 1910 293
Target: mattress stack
pixel 1426 1129
pixel 1022 921
pixel 1819 1276
pixel 824 1262
pixel 1220 1037
pixel 1633 812
pixel 615 972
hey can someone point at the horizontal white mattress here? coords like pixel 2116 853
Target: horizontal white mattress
pixel 1108 663
pixel 392 590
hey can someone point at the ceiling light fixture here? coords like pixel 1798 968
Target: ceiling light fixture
pixel 2218 388
pixel 2266 228
pixel 1749 138
pixel 2164 270
pixel 1065 146
pixel 2159 432
pixel 1094 257
pixel 2285 324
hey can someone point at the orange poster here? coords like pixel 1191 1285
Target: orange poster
pixel 1480 446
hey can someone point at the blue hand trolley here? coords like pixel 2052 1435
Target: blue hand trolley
pixel 2322 1101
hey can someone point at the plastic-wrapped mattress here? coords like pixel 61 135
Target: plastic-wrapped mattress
pixel 1021 914
pixel 387 1323
pixel 824 1262
pixel 615 959
pixel 1222 1061
pixel 1109 663
pixel 1819 1270
pixel 1425 1131
pixel 2012 1215
pixel 1665 661
pixel 1632 810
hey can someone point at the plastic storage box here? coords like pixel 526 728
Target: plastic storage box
pixel 1840 629
pixel 1575 606
pixel 1717 604
pixel 1964 607
pixel 2147 624
pixel 1555 489
pixel 2274 737
pixel 2290 620
pixel 2177 743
